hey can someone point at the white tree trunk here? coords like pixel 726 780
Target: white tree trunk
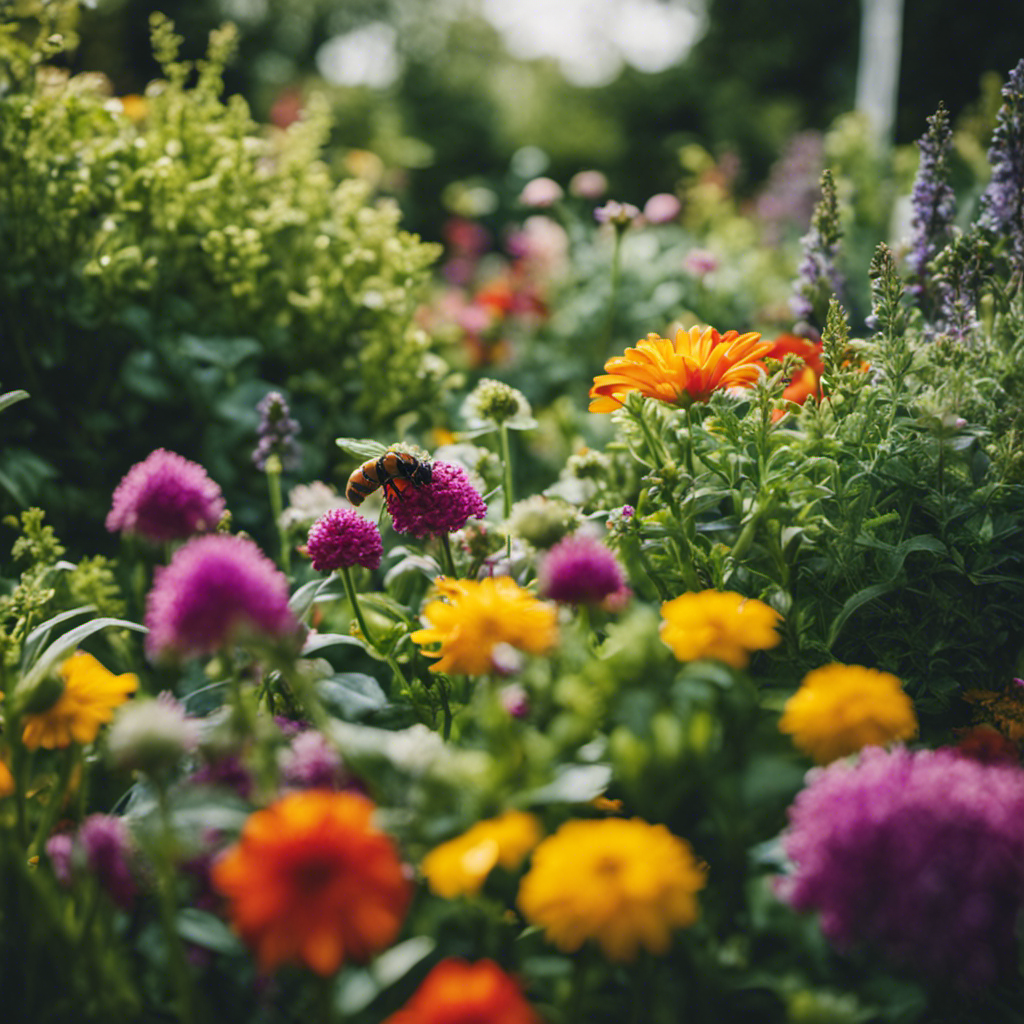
pixel 878 71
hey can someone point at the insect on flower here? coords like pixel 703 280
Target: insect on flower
pixel 394 470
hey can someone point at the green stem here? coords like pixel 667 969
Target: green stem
pixel 447 560
pixel 56 801
pixel 506 460
pixel 446 709
pixel 654 446
pixel 613 295
pixel 274 488
pixel 353 599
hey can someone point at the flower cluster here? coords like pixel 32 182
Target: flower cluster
pixel 277 433
pixel 440 507
pixel 341 539
pixel 721 626
pixel 580 570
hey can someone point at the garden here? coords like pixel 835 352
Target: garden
pixel 577 580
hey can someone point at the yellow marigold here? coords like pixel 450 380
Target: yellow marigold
pixel 87 701
pixel 473 617
pixel 625 884
pixel 699 362
pixel 719 625
pixel 841 708
pixel 7 787
pixel 461 865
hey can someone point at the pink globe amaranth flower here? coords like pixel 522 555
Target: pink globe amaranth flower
pixel 165 497
pixel 662 208
pixel 60 851
pixel 580 570
pixel 213 589
pixel 918 853
pixel 106 845
pixel 341 539
pixel 541 192
pixel 444 505
pixel 588 184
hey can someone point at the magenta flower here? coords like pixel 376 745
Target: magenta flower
pixel 446 504
pixel 580 570
pixel 919 853
pixel 341 538
pixel 165 497
pixel 215 588
pixel 106 848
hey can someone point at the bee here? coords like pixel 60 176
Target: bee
pixel 393 471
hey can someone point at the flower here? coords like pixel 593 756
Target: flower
pixel 841 708
pixel 310 762
pixel 457 992
pixel 580 570
pixel 542 522
pixel 807 380
pixel 312 881
pixel 700 262
pixel 341 539
pixel 307 503
pixel 699 362
pixel 277 433
pixel 460 866
pixel 588 184
pixel 7 785
pixel 662 208
pixel 1002 204
pixel 719 625
pixel 625 884
pixel 818 277
pixel 619 215
pixel 106 845
pixel 87 701
pixel 492 403
pixel 165 497
pixel 60 852
pixel 541 192
pixel 152 734
pixel 473 616
pixel 214 588
pixel 918 853
pixel 442 506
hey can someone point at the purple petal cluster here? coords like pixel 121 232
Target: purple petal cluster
pixel 580 570
pixel 1002 203
pixel 106 848
pixel 792 188
pixel 920 853
pixel 310 762
pixel 818 276
pixel 165 497
pixel 341 539
pixel 933 203
pixel 444 505
pixel 277 433
pixel 214 588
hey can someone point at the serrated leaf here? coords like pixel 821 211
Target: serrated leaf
pixel 361 449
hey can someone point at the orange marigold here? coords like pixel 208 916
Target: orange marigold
pixel 312 881
pixel 457 992
pixel 86 702
pixel 699 362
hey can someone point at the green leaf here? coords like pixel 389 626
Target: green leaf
pixel 321 641
pixel 309 593
pixel 64 645
pixel 205 930
pixel 37 638
pixel 11 397
pixel 862 597
pixel 358 987
pixel 574 784
pixel 353 695
pixel 360 449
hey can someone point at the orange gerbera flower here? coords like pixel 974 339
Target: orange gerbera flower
pixel 457 992
pixel 312 881
pixel 806 381
pixel 699 362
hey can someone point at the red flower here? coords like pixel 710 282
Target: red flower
pixel 807 380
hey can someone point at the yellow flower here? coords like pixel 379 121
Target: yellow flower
pixel 87 701
pixel 474 617
pixel 687 370
pixel 460 866
pixel 719 625
pixel 625 884
pixel 841 708
pixel 7 787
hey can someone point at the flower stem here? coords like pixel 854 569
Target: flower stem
pixel 506 461
pixel 274 488
pixel 654 446
pixel 350 590
pixel 54 804
pixel 447 560
pixel 442 690
pixel 613 294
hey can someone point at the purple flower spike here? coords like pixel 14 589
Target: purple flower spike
pixel 919 853
pixel 165 497
pixel 214 588
pixel 106 845
pixel 444 505
pixel 341 539
pixel 277 432
pixel 580 570
pixel 60 849
pixel 1002 203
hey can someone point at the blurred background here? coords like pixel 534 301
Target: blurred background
pixel 451 103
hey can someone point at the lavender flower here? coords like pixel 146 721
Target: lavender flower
pixel 959 274
pixel 934 204
pixel 818 276
pixel 341 539
pixel 580 570
pixel 310 762
pixel 60 850
pixel 621 215
pixel 920 853
pixel 214 588
pixel 1002 203
pixel 444 505
pixel 106 847
pixel 792 189
pixel 277 433
pixel 165 497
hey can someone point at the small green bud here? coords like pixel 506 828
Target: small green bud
pixel 542 522
pixel 492 403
